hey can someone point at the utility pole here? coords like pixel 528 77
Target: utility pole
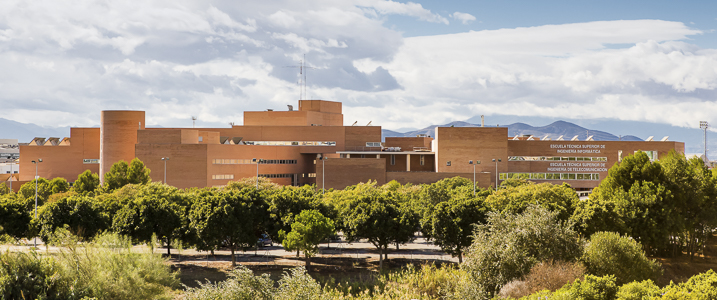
pixel 704 125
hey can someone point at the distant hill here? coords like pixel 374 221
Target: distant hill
pixel 553 131
pixel 24 133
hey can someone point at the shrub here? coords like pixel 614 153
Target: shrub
pixel 31 276
pixel 590 288
pixel 607 253
pixel 510 245
pixel 242 285
pixel 544 276
pixel 297 284
pixel 638 290
pixel 701 286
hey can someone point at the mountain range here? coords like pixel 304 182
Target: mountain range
pixel 600 129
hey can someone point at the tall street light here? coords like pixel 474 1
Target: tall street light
pixel 257 161
pixel 39 160
pixel 165 159
pixel 704 125
pixel 496 172
pixel 474 174
pixel 323 159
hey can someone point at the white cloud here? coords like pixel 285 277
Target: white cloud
pixel 68 60
pixel 464 18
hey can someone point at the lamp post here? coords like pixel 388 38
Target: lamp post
pixel 323 159
pixel 257 161
pixel 39 160
pixel 704 125
pixel 165 159
pixel 496 172
pixel 474 174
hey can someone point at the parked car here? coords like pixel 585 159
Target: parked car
pixel 264 241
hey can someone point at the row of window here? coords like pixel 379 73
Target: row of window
pixel 550 176
pixel 220 161
pixel 289 143
pixel 276 175
pixel 554 158
pixel 223 176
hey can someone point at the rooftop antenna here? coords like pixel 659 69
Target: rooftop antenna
pixel 302 77
pixel 194 120
pixel 369 123
pixel 354 123
pixel 231 124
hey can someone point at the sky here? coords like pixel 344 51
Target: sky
pixel 395 64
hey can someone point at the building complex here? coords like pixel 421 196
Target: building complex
pixel 311 145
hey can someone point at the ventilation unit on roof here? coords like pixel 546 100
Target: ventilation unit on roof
pixel 545 138
pixel 664 139
pixel 650 139
pixel 269 109
pixel 515 138
pixel 590 138
pixel 291 107
pixel 560 138
pixel 575 138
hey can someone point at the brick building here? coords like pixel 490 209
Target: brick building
pixel 298 147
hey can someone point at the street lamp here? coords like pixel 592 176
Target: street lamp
pixel 257 161
pixel 474 174
pixel 704 125
pixel 39 160
pixel 323 159
pixel 496 173
pixel 165 159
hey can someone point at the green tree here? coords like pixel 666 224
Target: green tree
pixel 515 200
pixel 122 174
pixel 5 189
pixel 287 202
pixel 59 185
pixel 27 192
pixel 230 217
pixel 608 253
pixel 509 245
pixel 79 213
pixel 309 228
pixel 452 224
pixel 14 217
pixel 147 215
pixel 86 182
pixel 376 215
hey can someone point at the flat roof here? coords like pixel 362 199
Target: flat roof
pixel 385 152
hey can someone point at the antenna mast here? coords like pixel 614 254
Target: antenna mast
pixel 302 77
pixel 194 119
pixel 704 125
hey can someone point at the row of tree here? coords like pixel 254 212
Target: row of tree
pixel 669 206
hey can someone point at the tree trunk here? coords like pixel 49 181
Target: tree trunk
pixel 234 259
pixel 460 257
pixel 297 253
pixel 397 247
pixel 169 254
pixel 308 262
pixel 380 258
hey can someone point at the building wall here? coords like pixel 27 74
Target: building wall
pixel 66 161
pixel 358 136
pixel 459 145
pixel 186 167
pixel 320 106
pixel 344 172
pixel 118 136
pixel 408 143
pixel 579 149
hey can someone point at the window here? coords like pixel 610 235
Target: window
pixel 651 154
pixel 223 176
pixel 373 144
pixel 555 158
pixel 619 155
pixel 201 138
pixel 448 163
pixel 220 161
pixel 550 176
pixel 289 143
pixel 393 159
pixel 423 159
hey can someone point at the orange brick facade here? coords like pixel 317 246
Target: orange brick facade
pixel 290 145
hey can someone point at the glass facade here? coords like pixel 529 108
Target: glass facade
pixel 289 143
pixel 220 161
pixel 223 176
pixel 550 176
pixel 555 158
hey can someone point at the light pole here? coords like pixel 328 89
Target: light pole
pixel 257 161
pixel 323 159
pixel 474 174
pixel 165 159
pixel 39 160
pixel 496 172
pixel 704 125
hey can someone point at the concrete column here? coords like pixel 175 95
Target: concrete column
pixel 408 162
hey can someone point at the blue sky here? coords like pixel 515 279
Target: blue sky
pixel 398 64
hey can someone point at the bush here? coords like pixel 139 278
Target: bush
pixel 590 288
pixel 638 290
pixel 242 285
pixel 607 253
pixel 701 286
pixel 105 269
pixel 510 245
pixel 544 276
